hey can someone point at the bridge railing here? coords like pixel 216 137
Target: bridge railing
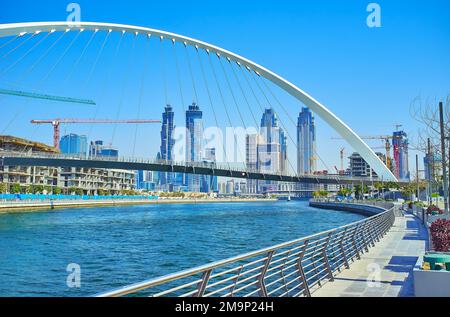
pixel 294 268
pixel 236 167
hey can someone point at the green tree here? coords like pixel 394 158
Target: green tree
pixel 15 189
pixel 38 189
pixel 57 191
pixel 29 189
pixel 3 188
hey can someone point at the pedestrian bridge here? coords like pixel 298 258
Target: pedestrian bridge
pixel 214 169
pixel 51 60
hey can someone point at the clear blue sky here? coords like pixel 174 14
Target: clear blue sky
pixel 367 76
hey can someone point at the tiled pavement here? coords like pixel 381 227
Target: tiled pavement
pixel 393 259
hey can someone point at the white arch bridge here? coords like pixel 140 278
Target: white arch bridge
pixel 24 38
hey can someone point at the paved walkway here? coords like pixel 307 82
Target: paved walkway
pixel 396 254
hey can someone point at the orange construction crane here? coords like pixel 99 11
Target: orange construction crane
pixel 57 122
pixel 387 144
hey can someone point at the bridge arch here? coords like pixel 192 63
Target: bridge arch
pixel 337 124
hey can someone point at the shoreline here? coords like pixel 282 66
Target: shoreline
pixel 16 207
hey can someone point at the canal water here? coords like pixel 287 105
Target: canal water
pixel 117 246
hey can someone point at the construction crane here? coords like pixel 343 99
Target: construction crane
pixel 56 123
pixel 387 144
pixel 341 153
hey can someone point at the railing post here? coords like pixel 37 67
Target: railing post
pixel 355 246
pixel 262 284
pixel 363 237
pixel 203 283
pixel 325 257
pixel 341 245
pixel 301 271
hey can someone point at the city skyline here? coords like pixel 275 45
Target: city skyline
pixel 341 76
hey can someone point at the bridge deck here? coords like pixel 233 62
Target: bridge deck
pixel 396 255
pixel 55 160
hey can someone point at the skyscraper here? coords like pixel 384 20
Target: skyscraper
pixel 194 143
pixel 306 142
pixel 74 144
pixel 272 148
pixel 400 144
pixel 251 160
pixel 167 142
pixel 209 183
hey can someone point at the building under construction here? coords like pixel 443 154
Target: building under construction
pixel 91 181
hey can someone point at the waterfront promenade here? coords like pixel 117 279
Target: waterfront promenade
pixel 395 255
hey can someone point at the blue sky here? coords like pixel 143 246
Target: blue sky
pixel 367 76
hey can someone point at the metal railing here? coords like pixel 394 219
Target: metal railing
pixel 291 269
pixel 235 167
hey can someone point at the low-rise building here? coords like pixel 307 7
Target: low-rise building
pixel 89 181
pixel 27 175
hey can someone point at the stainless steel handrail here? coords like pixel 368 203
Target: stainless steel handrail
pixel 236 167
pixel 296 265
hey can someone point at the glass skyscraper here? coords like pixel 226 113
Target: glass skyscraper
pixel 306 142
pixel 400 144
pixel 194 143
pixel 272 148
pixel 73 144
pixel 167 142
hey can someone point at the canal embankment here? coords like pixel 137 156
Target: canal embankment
pixel 29 206
pixel 364 208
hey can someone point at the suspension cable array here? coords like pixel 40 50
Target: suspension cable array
pixel 228 90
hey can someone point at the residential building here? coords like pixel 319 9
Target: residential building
pixel 27 175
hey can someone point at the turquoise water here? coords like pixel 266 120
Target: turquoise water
pixel 116 246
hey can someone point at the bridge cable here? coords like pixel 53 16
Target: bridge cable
pixel 141 92
pixel 202 68
pixel 285 112
pixel 124 84
pixel 6 70
pixel 248 104
pixel 19 45
pixel 278 101
pixel 237 108
pixel 283 126
pixel 75 65
pixel 61 57
pixel 191 72
pixel 163 71
pixel 9 42
pixel 102 89
pixel 44 55
pixel 40 83
pixel 222 98
pixel 97 58
pixel 20 109
pixel 177 66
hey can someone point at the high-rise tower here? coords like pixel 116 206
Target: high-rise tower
pixel 306 142
pixel 194 143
